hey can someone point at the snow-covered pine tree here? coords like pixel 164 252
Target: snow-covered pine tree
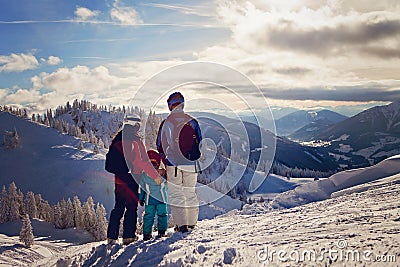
pixel 4 206
pixel 20 200
pixel 100 232
pixel 96 149
pixel 78 213
pixel 152 125
pixel 58 220
pixel 30 205
pixel 11 139
pixel 26 234
pixel 89 215
pixel 48 212
pixel 39 206
pixel 14 206
pixel 80 146
pixel 63 208
pixel 69 214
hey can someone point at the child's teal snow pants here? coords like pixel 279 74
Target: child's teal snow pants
pixel 148 218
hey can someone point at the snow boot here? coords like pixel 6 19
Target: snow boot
pixel 127 241
pixel 161 233
pixel 111 241
pixel 146 237
pixel 183 229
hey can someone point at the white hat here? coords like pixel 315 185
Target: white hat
pixel 133 120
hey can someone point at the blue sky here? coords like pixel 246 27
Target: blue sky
pixel 341 55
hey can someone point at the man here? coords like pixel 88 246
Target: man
pixel 127 158
pixel 178 142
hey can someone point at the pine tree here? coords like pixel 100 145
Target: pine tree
pixel 63 209
pixel 11 139
pixel 78 213
pixel 48 212
pixel 58 220
pixel 89 215
pixel 20 199
pixel 69 215
pixel 101 223
pixel 4 206
pixel 80 146
pixel 26 234
pixel 14 206
pixel 39 206
pixel 96 149
pixel 30 204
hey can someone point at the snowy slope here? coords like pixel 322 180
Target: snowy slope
pixel 323 189
pixel 49 163
pixel 50 244
pixel 361 222
pixel 364 224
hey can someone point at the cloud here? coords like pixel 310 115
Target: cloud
pixel 76 80
pixel 330 39
pixel 292 70
pixel 22 96
pixel 3 94
pixel 83 13
pixel 381 52
pixel 198 11
pixel 313 29
pixel 342 94
pixel 52 60
pixel 18 62
pixel 125 15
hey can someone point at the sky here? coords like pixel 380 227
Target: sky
pixel 307 54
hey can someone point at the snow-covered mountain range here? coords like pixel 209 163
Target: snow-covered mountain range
pixel 302 120
pixel 366 138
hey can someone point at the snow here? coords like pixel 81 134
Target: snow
pixel 322 189
pixel 339 156
pixel 316 143
pixel 358 220
pixel 313 157
pixel 50 244
pixel 343 137
pixel 344 148
pixel 364 224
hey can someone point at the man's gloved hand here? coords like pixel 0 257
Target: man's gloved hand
pixel 141 203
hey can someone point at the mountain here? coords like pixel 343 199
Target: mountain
pixel 294 121
pixel 234 135
pixel 367 137
pixel 308 132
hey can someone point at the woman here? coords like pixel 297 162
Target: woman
pixel 128 158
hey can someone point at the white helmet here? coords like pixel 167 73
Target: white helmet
pixel 133 120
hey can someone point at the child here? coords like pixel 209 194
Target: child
pixel 154 197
